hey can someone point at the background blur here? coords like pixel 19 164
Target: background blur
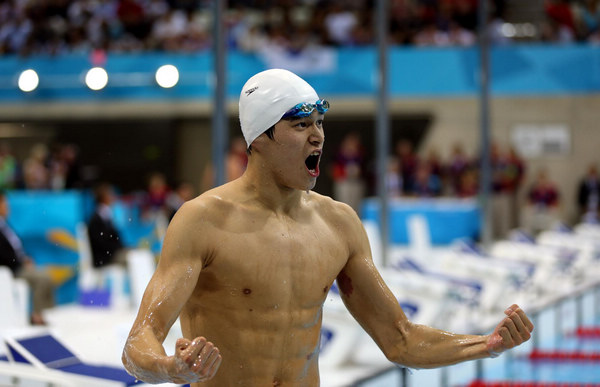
pixel 62 131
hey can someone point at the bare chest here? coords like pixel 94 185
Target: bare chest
pixel 277 265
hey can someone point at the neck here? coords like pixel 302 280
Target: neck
pixel 263 187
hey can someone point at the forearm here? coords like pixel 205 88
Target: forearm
pixel 420 346
pixel 144 357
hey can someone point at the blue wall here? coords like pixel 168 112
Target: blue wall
pixel 347 72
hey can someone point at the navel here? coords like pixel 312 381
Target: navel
pixel 247 291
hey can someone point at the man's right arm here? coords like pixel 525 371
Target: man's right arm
pixel 171 285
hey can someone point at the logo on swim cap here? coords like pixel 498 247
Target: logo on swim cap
pixel 250 91
pixel 265 98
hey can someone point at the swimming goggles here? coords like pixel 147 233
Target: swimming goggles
pixel 305 109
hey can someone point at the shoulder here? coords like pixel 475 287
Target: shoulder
pixel 213 208
pixel 206 205
pixel 338 214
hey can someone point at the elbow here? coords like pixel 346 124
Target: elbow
pixel 128 363
pixel 395 346
pixel 403 358
pixel 404 350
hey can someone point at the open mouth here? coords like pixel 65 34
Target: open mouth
pixel 312 163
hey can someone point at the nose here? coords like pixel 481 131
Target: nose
pixel 317 136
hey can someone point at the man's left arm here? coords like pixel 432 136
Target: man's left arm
pixel 375 307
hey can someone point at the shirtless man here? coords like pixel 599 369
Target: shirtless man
pixel 247 267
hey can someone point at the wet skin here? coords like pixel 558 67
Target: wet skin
pixel 247 267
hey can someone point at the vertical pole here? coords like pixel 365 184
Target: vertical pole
pixel 382 123
pixel 535 337
pixel 579 311
pixel 444 379
pixel 220 131
pixel 479 372
pixel 404 381
pixel 484 97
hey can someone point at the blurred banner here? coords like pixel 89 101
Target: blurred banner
pixel 348 72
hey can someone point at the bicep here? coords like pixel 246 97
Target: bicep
pixel 173 281
pixel 365 293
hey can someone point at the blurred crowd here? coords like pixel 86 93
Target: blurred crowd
pixel 83 26
pixel 426 174
pixel 410 174
pixel 57 167
pixel 48 167
pixel 572 20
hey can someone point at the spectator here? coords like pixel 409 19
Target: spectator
pixel 181 194
pixel 13 255
pixel 348 171
pixel 70 158
pixel 460 36
pixel 155 196
pixel 588 194
pixel 105 240
pixel 457 166
pixel 561 24
pixel 339 24
pixel 433 160
pixel 587 18
pixel 514 177
pixel 507 172
pixel 133 18
pixel 541 210
pixel 394 178
pixel 235 164
pixel 8 167
pixel 35 171
pixel 169 30
pixel 237 159
pixel 426 184
pixel 468 185
pixel 408 163
pixel 430 35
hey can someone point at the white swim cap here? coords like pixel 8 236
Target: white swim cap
pixel 267 96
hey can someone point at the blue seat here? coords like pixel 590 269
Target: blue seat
pixel 45 350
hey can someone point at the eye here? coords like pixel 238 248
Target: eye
pixel 301 124
pixel 319 123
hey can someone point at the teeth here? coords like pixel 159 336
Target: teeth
pixel 315 153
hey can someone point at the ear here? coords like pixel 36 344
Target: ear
pixel 258 143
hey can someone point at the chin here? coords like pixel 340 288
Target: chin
pixel 312 184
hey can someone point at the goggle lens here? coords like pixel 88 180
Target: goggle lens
pixel 305 109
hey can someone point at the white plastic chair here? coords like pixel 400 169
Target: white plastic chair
pixel 15 302
pixel 374 235
pixel 140 268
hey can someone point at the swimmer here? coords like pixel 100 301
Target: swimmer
pixel 247 267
